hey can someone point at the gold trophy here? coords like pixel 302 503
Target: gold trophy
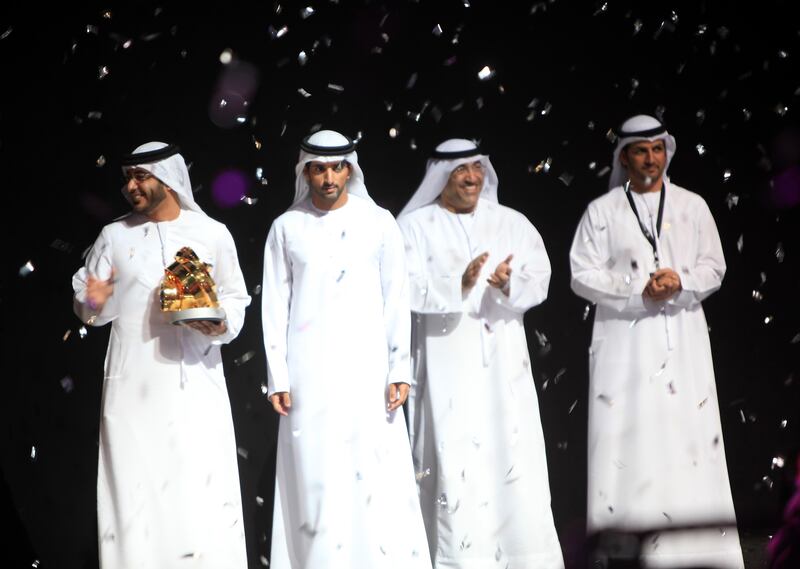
pixel 187 290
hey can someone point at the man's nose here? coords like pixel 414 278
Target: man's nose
pixel 131 185
pixel 328 176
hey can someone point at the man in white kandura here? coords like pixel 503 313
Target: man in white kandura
pixel 648 253
pixel 475 268
pixel 168 482
pixel 336 332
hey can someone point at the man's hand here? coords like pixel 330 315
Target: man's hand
pixel 499 279
pixel 398 393
pixel 473 270
pixel 98 291
pixel 663 285
pixel 208 327
pixel 281 402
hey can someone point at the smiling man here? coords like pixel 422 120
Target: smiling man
pixel 336 333
pixel 648 253
pixel 475 268
pixel 168 481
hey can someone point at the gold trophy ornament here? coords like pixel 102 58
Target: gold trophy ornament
pixel 187 290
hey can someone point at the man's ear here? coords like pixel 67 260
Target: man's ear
pixel 623 157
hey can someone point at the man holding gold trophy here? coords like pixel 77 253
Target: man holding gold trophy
pixel 167 277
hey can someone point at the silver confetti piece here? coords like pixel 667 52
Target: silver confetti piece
pixel 306 12
pixel 757 296
pixel 486 73
pixel 246 357
pixel 780 254
pixel 82 332
pixel 26 269
pixel 740 243
pixel 67 384
pixel 700 149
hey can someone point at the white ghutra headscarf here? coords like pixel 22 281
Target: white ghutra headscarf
pixel 635 129
pixel 165 163
pixel 448 156
pixel 329 146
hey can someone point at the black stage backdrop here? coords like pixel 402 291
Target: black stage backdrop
pixel 539 83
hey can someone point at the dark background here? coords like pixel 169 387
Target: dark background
pixel 75 95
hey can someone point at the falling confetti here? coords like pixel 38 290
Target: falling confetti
pixel 246 357
pixel 486 73
pixel 67 384
pixel 700 149
pixel 780 254
pixel 26 269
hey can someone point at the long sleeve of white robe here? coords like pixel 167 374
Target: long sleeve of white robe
pixel 394 282
pixel 98 265
pixel 276 290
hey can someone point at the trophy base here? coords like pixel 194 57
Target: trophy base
pixel 191 314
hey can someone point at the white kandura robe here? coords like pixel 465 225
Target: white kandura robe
pixel 336 332
pixel 168 484
pixel 656 456
pixel 476 434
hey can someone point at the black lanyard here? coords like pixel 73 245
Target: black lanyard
pixel 645 231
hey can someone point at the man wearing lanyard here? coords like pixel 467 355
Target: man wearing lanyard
pixel 647 253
